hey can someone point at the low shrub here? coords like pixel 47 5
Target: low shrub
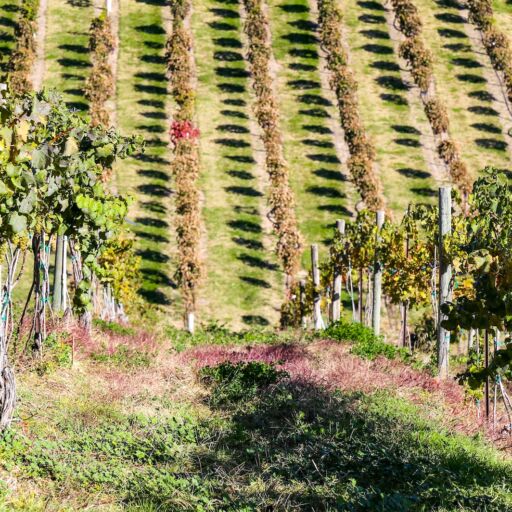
pixel 239 381
pixel 217 334
pixel 138 458
pixel 113 327
pixel 365 343
pixel 58 353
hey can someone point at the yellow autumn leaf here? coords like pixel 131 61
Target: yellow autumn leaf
pixel 22 130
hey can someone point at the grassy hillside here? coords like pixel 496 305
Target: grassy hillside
pixel 243 284
pixel 67 49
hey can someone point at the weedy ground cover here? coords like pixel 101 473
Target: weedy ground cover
pixel 237 436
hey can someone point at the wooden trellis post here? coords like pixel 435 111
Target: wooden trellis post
pixel 405 305
pixel 336 297
pixel 486 363
pixel 57 277
pixel 191 322
pixel 60 275
pixel 317 313
pixel 64 292
pixel 377 279
pixel 302 285
pixel 471 339
pixel 445 276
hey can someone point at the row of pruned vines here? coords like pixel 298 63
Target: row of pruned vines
pixel 496 42
pixel 266 110
pixel 185 165
pixel 410 256
pixel 51 164
pixel 362 152
pixel 420 62
pixel 99 86
pixel 22 59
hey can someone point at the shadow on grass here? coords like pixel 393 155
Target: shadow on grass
pixel 285 446
pixel 79 3
pixel 384 65
pixel 498 145
pixel 396 99
pixel 255 321
pixel 413 173
pixel 340 451
pixel 254 281
pixel 243 191
pixel 154 296
pixel 255 245
pixel 160 3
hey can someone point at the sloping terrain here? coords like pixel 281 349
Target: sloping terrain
pixel 130 423
pixel 243 281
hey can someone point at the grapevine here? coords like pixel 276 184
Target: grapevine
pixel 185 165
pixel 21 61
pixel 362 152
pixel 51 165
pixel 281 199
pixel 99 86
pixel 420 61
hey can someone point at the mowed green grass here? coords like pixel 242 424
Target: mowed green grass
pixel 142 108
pixel 317 176
pixel 67 49
pixel 391 121
pixel 243 280
pixel 475 125
pixel 8 16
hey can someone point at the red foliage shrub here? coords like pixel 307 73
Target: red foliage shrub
pixel 183 130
